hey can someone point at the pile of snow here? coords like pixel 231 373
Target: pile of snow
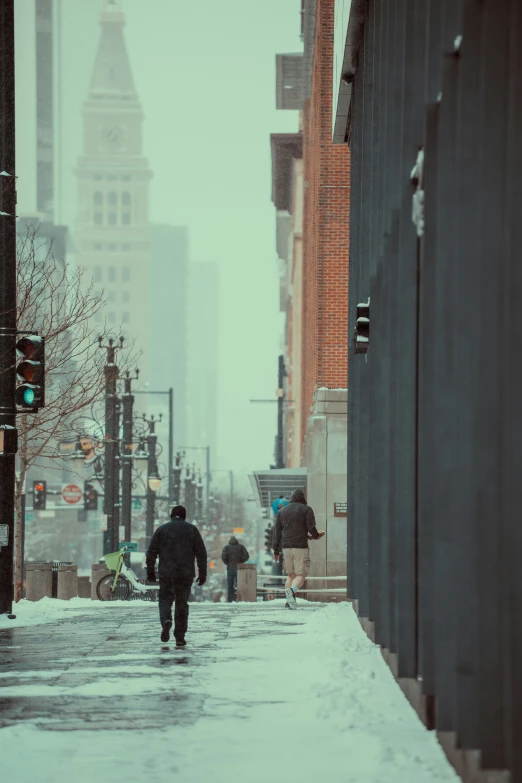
pixel 309 700
pixel 48 610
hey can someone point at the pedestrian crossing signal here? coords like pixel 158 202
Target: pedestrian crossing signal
pixel 268 538
pixel 30 373
pixel 90 497
pixel 39 495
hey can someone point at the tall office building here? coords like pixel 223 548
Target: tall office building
pixel 203 358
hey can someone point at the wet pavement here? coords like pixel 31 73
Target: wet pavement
pixel 107 669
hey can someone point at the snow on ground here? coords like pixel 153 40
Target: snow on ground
pixel 49 609
pixel 314 702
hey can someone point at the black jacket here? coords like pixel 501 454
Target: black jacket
pixel 178 544
pixel 293 523
pixel 234 553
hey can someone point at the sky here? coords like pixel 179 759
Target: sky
pixel 205 74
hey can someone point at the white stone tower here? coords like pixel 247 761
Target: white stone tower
pixel 112 224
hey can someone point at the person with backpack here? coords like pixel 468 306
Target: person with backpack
pixel 232 555
pixel 294 528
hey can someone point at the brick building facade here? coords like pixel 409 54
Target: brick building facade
pixel 312 197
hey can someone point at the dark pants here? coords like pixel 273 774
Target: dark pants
pixel 232 584
pixel 170 591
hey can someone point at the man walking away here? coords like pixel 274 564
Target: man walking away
pixel 233 554
pixel 295 525
pixel 177 544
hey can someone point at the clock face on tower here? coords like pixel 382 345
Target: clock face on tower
pixel 112 137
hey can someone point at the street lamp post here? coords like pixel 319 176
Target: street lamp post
pixel 170 394
pixel 111 536
pixel 208 477
pixel 153 479
pixel 127 451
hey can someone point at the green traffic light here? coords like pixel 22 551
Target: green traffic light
pixel 28 396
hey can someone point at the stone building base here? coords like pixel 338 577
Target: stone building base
pixel 325 456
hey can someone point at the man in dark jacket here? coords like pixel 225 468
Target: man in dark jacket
pixel 295 526
pixel 178 544
pixel 233 554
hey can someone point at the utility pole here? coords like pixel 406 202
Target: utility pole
pixel 111 535
pixel 7 302
pixel 127 456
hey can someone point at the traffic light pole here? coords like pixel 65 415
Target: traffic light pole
pixel 7 298
pixel 127 458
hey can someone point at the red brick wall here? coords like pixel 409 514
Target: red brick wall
pixel 325 230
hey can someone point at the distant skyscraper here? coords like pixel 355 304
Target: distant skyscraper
pixel 168 309
pixel 203 343
pixel 112 225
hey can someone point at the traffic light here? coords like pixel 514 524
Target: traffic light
pixel 30 372
pixel 268 538
pixel 361 337
pixel 39 495
pixel 90 497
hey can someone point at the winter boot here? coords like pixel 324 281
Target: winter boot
pixel 290 598
pixel 165 631
pixel 181 643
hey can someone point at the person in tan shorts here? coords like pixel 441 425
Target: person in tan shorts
pixel 295 527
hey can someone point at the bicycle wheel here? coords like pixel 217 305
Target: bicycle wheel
pixel 121 590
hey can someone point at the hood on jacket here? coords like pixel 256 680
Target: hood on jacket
pixel 233 540
pixel 298 496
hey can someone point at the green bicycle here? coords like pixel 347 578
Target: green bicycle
pixel 119 585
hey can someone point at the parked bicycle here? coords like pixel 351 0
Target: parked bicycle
pixel 119 585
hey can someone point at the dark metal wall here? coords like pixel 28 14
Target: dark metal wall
pixel 435 406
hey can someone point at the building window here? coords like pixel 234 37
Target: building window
pixel 98 198
pixel 112 274
pixel 113 248
pixel 112 296
pixel 126 317
pixel 98 177
pixel 98 246
pixel 126 177
pixel 126 198
pixel 125 274
pixel 112 317
pixel 113 218
pixel 112 198
pixel 112 177
pixel 125 247
pixel 98 218
pixel 126 218
pixel 97 274
pixel 125 296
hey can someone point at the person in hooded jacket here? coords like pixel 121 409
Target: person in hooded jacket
pixel 233 554
pixel 177 544
pixel 294 527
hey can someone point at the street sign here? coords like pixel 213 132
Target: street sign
pixel 71 493
pixel 238 530
pixel 340 509
pixel 4 535
pixel 132 546
pixel 136 504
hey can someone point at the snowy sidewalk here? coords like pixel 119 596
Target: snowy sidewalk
pixel 261 694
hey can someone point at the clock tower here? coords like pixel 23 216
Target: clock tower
pixel 112 225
